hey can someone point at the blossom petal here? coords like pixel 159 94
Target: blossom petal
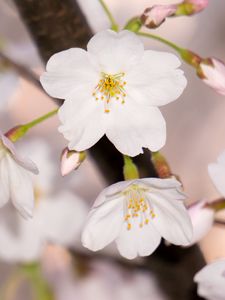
pixel 68 71
pixel 112 191
pixel 136 128
pixel 172 220
pixel 4 182
pixel 103 225
pixel 21 188
pixel 202 220
pixel 26 163
pixel 138 241
pixel 83 125
pixel 116 52
pixel 217 174
pixel 156 80
pixel 56 218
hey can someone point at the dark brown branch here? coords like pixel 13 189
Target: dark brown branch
pixel 55 25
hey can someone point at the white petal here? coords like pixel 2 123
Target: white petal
pixel 217 174
pixel 158 183
pixel 69 71
pixel 61 219
pixel 116 52
pixel 221 158
pixel 172 220
pixel 131 128
pixel 112 191
pixel 4 182
pixel 155 80
pixel 24 162
pixel 138 241
pixel 211 280
pixel 83 125
pixel 103 225
pixel 21 188
pixel 202 220
pixel 169 188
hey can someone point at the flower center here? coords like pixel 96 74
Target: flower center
pixel 109 87
pixel 137 206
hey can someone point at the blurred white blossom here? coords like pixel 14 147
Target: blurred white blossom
pixel 211 281
pixel 58 217
pixel 137 214
pixel 114 88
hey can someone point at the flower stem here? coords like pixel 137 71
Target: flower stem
pixel 19 131
pixel 130 170
pixel 188 56
pixel 162 40
pixel 114 25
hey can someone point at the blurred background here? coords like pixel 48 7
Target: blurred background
pixel 195 138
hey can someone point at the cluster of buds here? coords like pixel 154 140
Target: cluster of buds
pixel 154 16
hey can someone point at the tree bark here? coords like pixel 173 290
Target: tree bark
pixel 56 25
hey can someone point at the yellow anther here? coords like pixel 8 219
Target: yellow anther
pixel 128 226
pixel 107 110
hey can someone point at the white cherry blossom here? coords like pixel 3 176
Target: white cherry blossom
pixel 15 178
pixel 114 88
pixel 137 214
pixel 211 281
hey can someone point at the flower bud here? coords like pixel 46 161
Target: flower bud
pixel 212 72
pixel 71 160
pixel 154 16
pixel 160 164
pixel 190 7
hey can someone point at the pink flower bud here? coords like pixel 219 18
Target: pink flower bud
pixel 212 72
pixel 198 5
pixel 71 160
pixel 154 16
pixel 190 7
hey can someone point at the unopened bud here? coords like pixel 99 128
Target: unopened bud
pixel 154 16
pixel 71 160
pixel 190 7
pixel 212 73
pixel 160 164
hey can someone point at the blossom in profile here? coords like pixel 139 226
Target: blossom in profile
pixel 137 214
pixel 114 88
pixel 211 281
pixel 15 178
pixel 212 72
